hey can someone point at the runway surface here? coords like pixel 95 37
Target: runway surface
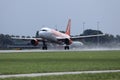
pixel 57 50
pixel 57 73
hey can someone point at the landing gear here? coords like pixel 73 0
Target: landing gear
pixel 66 47
pixel 67 42
pixel 44 47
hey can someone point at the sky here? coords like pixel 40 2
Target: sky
pixel 25 17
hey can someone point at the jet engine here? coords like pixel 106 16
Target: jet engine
pixel 34 42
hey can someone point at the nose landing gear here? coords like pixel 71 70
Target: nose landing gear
pixel 44 47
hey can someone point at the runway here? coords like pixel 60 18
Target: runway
pixel 57 50
pixel 56 73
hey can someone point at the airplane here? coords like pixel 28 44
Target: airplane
pixel 51 35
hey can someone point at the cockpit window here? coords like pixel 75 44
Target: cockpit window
pixel 43 30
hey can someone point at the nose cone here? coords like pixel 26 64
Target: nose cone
pixel 41 34
pixel 44 33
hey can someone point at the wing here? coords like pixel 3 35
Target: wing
pixel 88 36
pixel 27 39
pixel 33 41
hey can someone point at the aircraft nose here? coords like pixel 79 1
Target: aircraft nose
pixel 41 33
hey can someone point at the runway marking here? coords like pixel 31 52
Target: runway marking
pixel 56 73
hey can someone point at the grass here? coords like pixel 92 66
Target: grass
pixel 104 76
pixel 38 62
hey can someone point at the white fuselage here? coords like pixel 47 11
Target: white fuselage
pixel 52 35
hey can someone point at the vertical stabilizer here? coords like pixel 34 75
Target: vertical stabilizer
pixel 68 27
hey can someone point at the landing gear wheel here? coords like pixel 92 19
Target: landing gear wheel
pixel 66 47
pixel 44 47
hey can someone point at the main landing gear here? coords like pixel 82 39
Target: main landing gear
pixel 66 47
pixel 67 42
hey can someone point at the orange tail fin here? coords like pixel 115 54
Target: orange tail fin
pixel 68 27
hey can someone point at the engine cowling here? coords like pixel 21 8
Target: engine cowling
pixel 34 42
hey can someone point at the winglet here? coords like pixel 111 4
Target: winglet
pixel 68 27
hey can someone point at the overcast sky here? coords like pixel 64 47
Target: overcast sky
pixel 25 17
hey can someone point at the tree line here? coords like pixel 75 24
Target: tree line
pixel 5 40
pixel 106 40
